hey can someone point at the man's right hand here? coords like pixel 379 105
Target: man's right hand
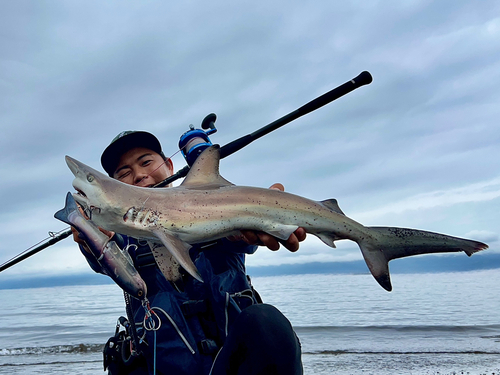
pixel 80 241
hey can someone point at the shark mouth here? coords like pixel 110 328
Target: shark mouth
pixel 81 198
pixel 81 193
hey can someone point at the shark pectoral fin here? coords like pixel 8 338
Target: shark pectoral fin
pixel 377 264
pixel 180 250
pixel 283 232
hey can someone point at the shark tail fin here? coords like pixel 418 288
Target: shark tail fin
pixel 383 244
pixel 68 208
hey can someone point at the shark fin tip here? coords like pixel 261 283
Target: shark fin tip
pixel 385 282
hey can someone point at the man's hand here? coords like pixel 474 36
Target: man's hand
pixel 273 243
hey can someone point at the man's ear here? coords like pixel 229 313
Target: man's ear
pixel 170 165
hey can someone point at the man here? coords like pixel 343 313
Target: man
pixel 214 327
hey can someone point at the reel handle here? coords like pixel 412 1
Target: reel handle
pixel 209 121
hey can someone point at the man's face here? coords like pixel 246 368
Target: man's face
pixel 142 167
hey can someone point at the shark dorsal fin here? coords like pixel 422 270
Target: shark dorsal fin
pixel 205 171
pixel 333 205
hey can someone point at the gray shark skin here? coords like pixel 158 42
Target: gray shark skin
pixel 207 207
pixel 112 260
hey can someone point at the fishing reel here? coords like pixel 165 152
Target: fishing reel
pixel 194 141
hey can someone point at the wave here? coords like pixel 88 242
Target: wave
pixel 491 332
pixel 42 364
pixel 402 328
pixel 57 349
pixel 392 352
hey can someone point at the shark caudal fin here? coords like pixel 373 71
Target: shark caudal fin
pixel 387 243
pixel 68 208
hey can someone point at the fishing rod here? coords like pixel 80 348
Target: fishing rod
pixel 194 141
pixel 54 238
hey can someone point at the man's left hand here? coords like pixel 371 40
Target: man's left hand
pixel 273 243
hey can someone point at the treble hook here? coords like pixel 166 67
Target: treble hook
pixel 149 322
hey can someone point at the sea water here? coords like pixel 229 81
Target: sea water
pixel 441 323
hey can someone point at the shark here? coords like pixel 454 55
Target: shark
pixel 207 207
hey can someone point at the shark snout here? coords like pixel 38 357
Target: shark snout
pixel 72 164
pixel 80 182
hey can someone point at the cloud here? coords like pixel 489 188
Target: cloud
pixel 418 146
pixel 312 250
pixel 484 236
pixel 476 192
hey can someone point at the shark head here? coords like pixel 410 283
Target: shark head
pixel 88 183
pixel 94 190
pixel 109 204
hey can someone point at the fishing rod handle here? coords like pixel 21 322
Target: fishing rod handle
pixel 364 78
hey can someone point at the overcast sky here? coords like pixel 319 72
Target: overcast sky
pixel 419 147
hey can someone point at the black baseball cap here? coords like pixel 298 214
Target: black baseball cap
pixel 124 142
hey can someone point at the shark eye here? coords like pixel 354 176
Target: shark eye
pixel 90 178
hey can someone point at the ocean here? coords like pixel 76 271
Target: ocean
pixel 437 323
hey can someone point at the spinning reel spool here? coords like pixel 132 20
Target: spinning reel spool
pixel 194 141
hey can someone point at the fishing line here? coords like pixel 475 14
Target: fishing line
pixel 167 159
pixel 154 353
pixel 150 325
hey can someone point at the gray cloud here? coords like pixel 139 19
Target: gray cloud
pixel 74 74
